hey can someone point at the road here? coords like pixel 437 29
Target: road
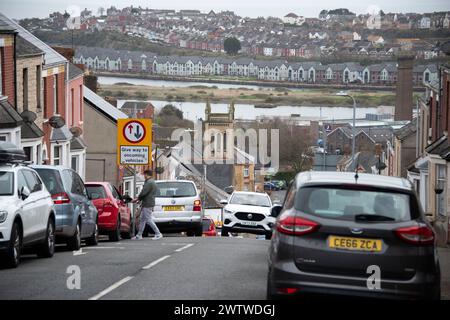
pixel 175 268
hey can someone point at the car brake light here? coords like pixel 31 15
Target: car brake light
pixel 107 203
pixel 287 290
pixel 60 198
pixel 197 205
pixel 296 226
pixel 416 234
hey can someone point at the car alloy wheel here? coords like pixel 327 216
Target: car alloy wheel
pixel 16 248
pixel 51 238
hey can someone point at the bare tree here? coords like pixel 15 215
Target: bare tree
pixel 101 11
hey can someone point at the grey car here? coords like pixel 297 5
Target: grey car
pixel 352 235
pixel 76 216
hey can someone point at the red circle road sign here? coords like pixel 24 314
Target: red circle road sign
pixel 134 131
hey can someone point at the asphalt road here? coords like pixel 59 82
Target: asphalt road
pixel 171 268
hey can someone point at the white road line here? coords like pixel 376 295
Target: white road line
pixel 79 252
pixel 111 288
pixel 95 248
pixel 185 247
pixel 154 263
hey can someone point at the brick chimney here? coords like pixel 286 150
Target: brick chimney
pixel 404 92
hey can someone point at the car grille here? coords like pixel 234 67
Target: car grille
pixel 246 216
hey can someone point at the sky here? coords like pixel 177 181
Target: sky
pixel 19 9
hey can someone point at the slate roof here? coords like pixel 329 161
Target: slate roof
pixel 74 71
pixel 102 105
pixel 9 117
pixel 25 48
pixel 406 130
pixel 30 130
pixel 61 134
pixel 51 57
pixel 77 143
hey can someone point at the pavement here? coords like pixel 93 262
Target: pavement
pixel 444 258
pixel 181 268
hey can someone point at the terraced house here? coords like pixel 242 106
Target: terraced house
pixel 382 74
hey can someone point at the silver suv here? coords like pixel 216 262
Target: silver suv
pixel 178 207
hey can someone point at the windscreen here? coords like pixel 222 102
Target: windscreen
pixel 96 192
pixel 175 189
pixel 260 200
pixel 52 180
pixel 6 183
pixel 353 204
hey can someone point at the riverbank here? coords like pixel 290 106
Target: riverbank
pixel 262 97
pixel 250 81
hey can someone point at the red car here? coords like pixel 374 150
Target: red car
pixel 114 216
pixel 209 228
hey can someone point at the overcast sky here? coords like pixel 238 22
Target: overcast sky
pixel 252 8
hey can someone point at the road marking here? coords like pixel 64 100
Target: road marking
pixel 79 252
pixel 111 288
pixel 95 248
pixel 185 247
pixel 154 263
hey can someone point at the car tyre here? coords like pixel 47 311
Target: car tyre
pixel 47 248
pixel 12 255
pixel 268 236
pixel 129 234
pixel 198 232
pixel 93 239
pixel 74 242
pixel 224 232
pixel 269 293
pixel 115 235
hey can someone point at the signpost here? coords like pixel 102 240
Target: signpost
pixel 134 141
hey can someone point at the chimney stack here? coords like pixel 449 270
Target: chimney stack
pixel 404 92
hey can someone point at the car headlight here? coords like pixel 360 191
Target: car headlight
pixel 3 215
pixel 226 211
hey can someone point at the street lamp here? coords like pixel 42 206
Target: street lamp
pixel 345 94
pixel 204 167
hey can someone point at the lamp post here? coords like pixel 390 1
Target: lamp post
pixel 345 94
pixel 204 169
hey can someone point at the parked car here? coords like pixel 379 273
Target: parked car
pixel 114 216
pixel 76 216
pixel 281 184
pixel 248 212
pixel 334 227
pixel 178 207
pixel 27 215
pixel 270 186
pixel 209 227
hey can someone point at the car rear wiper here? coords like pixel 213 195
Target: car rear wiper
pixel 372 217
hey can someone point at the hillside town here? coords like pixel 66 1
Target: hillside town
pixel 349 171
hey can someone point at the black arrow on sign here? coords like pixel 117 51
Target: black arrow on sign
pixel 138 134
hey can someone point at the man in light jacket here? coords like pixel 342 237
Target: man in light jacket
pixel 147 198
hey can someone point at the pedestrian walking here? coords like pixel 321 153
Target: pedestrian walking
pixel 147 199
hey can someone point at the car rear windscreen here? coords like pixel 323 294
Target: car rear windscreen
pixel 6 183
pixel 353 204
pixel 52 180
pixel 96 192
pixel 175 190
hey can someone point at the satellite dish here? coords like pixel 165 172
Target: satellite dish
pixel 76 131
pixel 56 122
pixel 28 116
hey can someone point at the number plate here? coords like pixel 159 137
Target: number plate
pixel 249 223
pixel 173 208
pixel 359 244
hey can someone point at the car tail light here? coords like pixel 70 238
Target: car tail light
pixel 287 290
pixel 296 226
pixel 60 198
pixel 197 205
pixel 416 234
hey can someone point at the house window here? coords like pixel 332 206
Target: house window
pixel 55 94
pixel 28 151
pixel 441 179
pixel 38 87
pixel 75 165
pixel 427 77
pixel 246 172
pixel 57 155
pixel 72 105
pixel 25 88
pixel 3 138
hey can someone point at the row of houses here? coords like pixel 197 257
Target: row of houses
pixel 99 59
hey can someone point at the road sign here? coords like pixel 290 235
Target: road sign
pixel 134 141
pixel 327 128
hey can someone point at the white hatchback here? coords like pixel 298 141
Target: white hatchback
pixel 27 217
pixel 248 212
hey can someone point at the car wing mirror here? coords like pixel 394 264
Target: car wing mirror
pixel 223 202
pixel 24 193
pixel 127 199
pixel 275 211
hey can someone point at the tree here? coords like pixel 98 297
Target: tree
pixel 101 11
pixel 171 116
pixel 232 45
pixel 171 110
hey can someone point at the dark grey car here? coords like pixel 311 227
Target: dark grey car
pixel 342 235
pixel 76 216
